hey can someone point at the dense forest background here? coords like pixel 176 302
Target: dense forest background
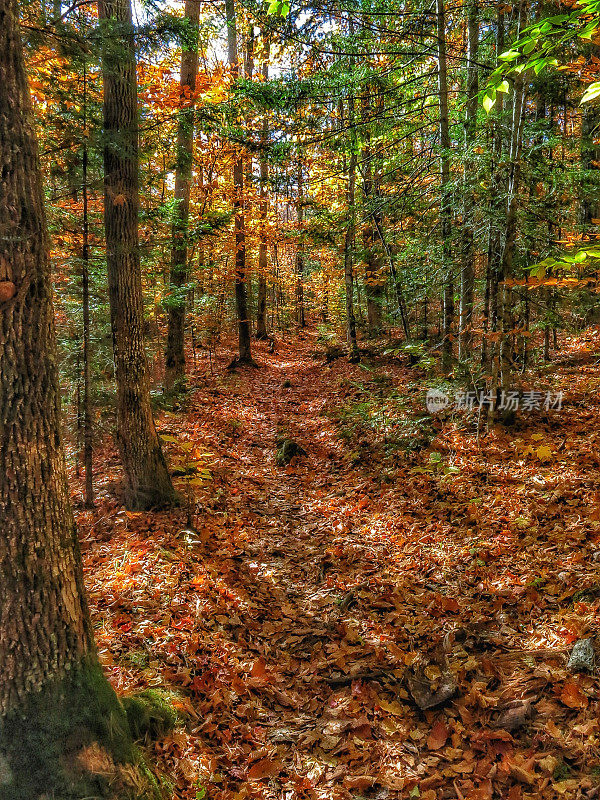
pixel 369 188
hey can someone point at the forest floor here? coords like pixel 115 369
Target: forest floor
pixel 404 558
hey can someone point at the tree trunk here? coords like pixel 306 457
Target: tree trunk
pixel 148 483
pixel 467 276
pixel 489 346
pixel 373 279
pixel 349 237
pixel 175 351
pixel 241 299
pixel 299 253
pixel 445 208
pixel 88 434
pixel 54 699
pixel 510 237
pixel 261 300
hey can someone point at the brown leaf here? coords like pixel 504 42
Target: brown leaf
pixel 265 768
pixel 438 735
pixel 573 697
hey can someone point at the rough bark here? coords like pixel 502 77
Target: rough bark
pixel 147 479
pixel 175 350
pixel 54 699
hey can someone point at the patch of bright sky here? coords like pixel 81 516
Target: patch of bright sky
pixel 216 49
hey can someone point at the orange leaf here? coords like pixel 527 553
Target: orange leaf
pixel 573 697
pixel 437 736
pixel 448 603
pixel 259 669
pixel 265 768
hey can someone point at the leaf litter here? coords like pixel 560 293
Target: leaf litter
pixel 359 623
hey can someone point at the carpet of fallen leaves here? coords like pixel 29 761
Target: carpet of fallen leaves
pixel 298 610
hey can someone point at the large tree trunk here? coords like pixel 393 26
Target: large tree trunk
pixel 175 352
pixel 467 276
pixel 241 298
pixel 445 207
pixel 54 699
pixel 148 483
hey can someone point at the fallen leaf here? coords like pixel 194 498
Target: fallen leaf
pixel 265 768
pixel 438 735
pixel 573 697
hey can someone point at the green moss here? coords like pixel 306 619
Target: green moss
pixel 150 713
pixel 70 740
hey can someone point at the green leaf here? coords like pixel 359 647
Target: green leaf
pixel 503 87
pixel 278 8
pixel 591 93
pixel 509 55
pixel 489 100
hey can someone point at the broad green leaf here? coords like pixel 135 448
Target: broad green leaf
pixel 489 100
pixel 591 93
pixel 509 55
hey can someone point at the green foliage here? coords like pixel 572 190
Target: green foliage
pixel 436 467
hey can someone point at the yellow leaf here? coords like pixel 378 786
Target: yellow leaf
pixel 544 453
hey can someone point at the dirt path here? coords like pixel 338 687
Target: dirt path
pixel 292 618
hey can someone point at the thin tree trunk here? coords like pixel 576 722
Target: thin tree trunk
pixel 349 237
pixel 373 282
pixel 88 434
pixel 54 699
pixel 348 279
pixel 494 240
pixel 241 299
pixel 445 208
pixel 299 252
pixel 148 483
pixel 467 277
pixel 510 237
pixel 261 300
pixel 179 277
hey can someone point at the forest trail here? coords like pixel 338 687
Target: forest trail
pixel 295 615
